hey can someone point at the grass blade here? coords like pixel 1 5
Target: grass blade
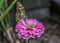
pixel 1 2
pixel 8 9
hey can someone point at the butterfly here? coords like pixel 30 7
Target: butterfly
pixel 20 11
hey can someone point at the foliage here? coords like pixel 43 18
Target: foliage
pixel 5 18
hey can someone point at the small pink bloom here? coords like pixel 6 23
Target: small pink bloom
pixel 29 28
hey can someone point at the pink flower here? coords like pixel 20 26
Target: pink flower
pixel 29 28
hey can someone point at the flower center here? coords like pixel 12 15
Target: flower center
pixel 30 26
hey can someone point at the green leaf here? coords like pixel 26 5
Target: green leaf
pixel 7 10
pixel 1 2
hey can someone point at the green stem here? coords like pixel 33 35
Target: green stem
pixel 2 26
pixel 8 17
pixel 8 9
